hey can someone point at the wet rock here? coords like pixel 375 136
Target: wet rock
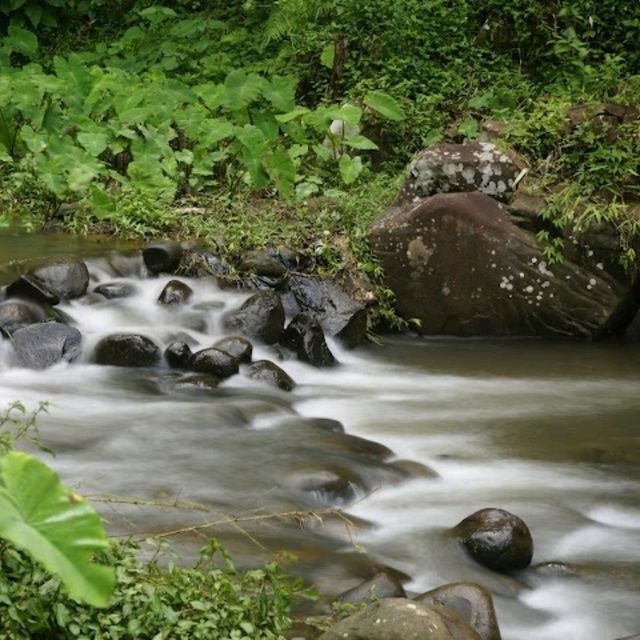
pixel 113 290
pixel 270 373
pixel 471 602
pixel 264 263
pixel 459 265
pixel 163 257
pixel 39 346
pixel 15 314
pixel 331 485
pixel 496 539
pixel 196 263
pixel 213 362
pixel 260 317
pixel 31 288
pixel 555 569
pixel 414 469
pixel 126 350
pixel 127 265
pixel 305 337
pixel 449 168
pixel 400 619
pixel 67 277
pixel 236 346
pixel 177 355
pixel 326 424
pixel 380 586
pixel 200 381
pixel 175 292
pixel 339 315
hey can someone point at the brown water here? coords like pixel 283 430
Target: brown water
pixel 550 431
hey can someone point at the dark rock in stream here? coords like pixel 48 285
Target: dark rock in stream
pixel 270 373
pixel 382 585
pixel 213 362
pixel 127 350
pixel 177 355
pixel 67 277
pixel 401 619
pixel 198 381
pixel 263 263
pixel 304 336
pixel 237 347
pixel 414 469
pixel 471 602
pixel 15 314
pixel 113 290
pixel 31 288
pixel 338 314
pixel 332 485
pixel 260 317
pixel 496 539
pixel 175 292
pixel 39 346
pixel 163 257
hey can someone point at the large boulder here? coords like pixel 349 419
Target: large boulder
pixel 68 277
pixel 460 266
pixel 15 314
pixel 471 602
pixel 163 257
pixel 496 539
pixel 260 317
pixel 449 168
pixel 305 337
pixel 31 288
pixel 213 362
pixel 127 350
pixel 236 346
pixel 382 585
pixel 39 346
pixel 177 354
pixel 270 373
pixel 400 619
pixel 338 314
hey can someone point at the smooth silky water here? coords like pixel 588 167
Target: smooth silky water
pixel 547 430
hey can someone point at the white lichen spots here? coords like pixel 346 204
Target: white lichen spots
pixel 502 187
pixel 529 289
pixel 493 252
pixel 505 284
pixel 589 287
pixel 592 282
pixel 446 291
pixel 551 295
pixel 567 277
pixel 521 274
pixel 411 606
pixel 589 253
pixel 512 278
pixel 378 621
pixel 469 175
pixel 493 265
pixel 600 266
pixel 545 284
pixel 534 260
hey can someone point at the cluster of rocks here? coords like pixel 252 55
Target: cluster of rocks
pixel 460 252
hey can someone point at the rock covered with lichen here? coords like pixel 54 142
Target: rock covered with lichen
pixel 452 168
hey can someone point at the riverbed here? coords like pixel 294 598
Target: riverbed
pixel 547 430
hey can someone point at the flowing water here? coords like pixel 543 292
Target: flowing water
pixel 547 430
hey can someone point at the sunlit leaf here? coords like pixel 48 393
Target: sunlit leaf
pixel 385 105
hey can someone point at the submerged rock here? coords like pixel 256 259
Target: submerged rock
pixel 113 290
pixel 198 381
pixel 270 373
pixel 15 314
pixel 177 355
pixel 496 539
pixel 237 347
pixel 382 585
pixel 213 362
pixel 305 337
pixel 175 292
pixel 39 346
pixel 260 317
pixel 338 314
pixel 453 168
pixel 163 257
pixel 471 602
pixel 67 277
pixel 460 266
pixel 127 350
pixel 400 619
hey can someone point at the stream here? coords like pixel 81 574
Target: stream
pixel 547 430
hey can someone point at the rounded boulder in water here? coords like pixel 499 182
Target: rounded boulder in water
pixel 113 290
pixel 15 314
pixel 39 346
pixel 270 373
pixel 496 539
pixel 213 362
pixel 177 355
pixel 127 350
pixel 305 337
pixel 163 257
pixel 237 347
pixel 260 317
pixel 382 585
pixel 68 277
pixel 175 292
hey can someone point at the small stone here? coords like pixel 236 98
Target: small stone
pixel 177 355
pixel 237 347
pixel 127 350
pixel 305 337
pixel 113 290
pixel 214 362
pixel 175 292
pixel 270 373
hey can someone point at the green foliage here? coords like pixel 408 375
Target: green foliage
pixel 149 601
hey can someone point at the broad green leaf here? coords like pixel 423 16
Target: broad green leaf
pixel 94 143
pixel 22 41
pixel 469 128
pixel 102 204
pixel 328 55
pixel 213 130
pixel 292 115
pixel 267 124
pixel 357 141
pixel 385 105
pixel 34 13
pixel 281 92
pixel 347 112
pixel 253 140
pixel 242 89
pixel 350 168
pixel 282 171
pixel 56 527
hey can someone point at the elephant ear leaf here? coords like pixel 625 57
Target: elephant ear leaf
pixel 60 530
